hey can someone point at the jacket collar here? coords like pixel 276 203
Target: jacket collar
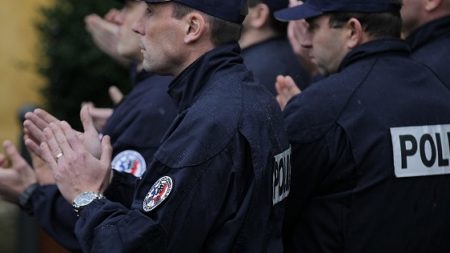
pixel 187 85
pixel 376 47
pixel 429 32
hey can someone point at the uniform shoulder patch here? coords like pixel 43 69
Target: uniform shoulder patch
pixel 129 161
pixel 421 150
pixel 158 193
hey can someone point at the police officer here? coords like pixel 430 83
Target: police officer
pixel 370 156
pixel 265 48
pixel 140 120
pixel 136 127
pixel 219 179
pixel 426 25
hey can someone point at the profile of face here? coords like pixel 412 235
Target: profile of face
pixel 128 42
pixel 327 44
pixel 411 15
pixel 161 38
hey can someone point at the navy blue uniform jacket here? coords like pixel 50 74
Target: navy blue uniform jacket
pixel 430 44
pixel 273 57
pixel 370 157
pixel 224 153
pixel 137 124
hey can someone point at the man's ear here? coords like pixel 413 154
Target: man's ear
pixel 354 33
pixel 195 27
pixel 258 15
pixel 431 5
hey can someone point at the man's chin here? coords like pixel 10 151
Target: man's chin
pixel 148 67
pixel 130 54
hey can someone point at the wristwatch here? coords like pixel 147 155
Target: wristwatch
pixel 85 199
pixel 24 199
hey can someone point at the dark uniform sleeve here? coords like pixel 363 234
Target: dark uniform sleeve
pixel 313 170
pixel 107 226
pixel 122 188
pixel 55 216
pixel 204 211
pixel 323 164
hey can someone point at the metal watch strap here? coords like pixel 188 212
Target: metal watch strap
pixel 24 198
pixel 77 208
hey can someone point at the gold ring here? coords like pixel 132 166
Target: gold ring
pixel 59 156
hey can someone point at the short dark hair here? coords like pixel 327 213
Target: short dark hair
pixel 277 26
pixel 378 25
pixel 222 31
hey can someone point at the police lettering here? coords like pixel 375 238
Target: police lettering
pixel 408 145
pixel 281 176
pixel 421 150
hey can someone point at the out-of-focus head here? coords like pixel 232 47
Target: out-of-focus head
pixel 337 27
pixel 258 8
pixel 416 13
pixel 128 41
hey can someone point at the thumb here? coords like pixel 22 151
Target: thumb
pixel 105 161
pixel 16 159
pixel 280 84
pixel 88 19
pixel 111 15
pixel 281 102
pixel 86 120
pixel 115 94
pixel 105 158
pixel 292 86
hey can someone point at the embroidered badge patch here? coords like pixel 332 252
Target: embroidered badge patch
pixel 158 193
pixel 129 161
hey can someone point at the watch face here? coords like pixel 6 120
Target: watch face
pixel 85 198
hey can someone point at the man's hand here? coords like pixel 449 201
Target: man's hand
pixel 111 15
pixel 286 89
pixel 115 94
pixel 34 124
pixel 101 115
pixel 38 120
pixel 104 33
pixel 14 179
pixel 75 169
pixel 43 173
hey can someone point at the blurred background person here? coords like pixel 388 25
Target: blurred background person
pixel 265 48
pixel 426 28
pixel 285 85
pixel 135 126
pixel 39 42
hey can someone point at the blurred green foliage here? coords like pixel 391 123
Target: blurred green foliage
pixel 75 70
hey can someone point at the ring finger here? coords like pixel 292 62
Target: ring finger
pixel 52 144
